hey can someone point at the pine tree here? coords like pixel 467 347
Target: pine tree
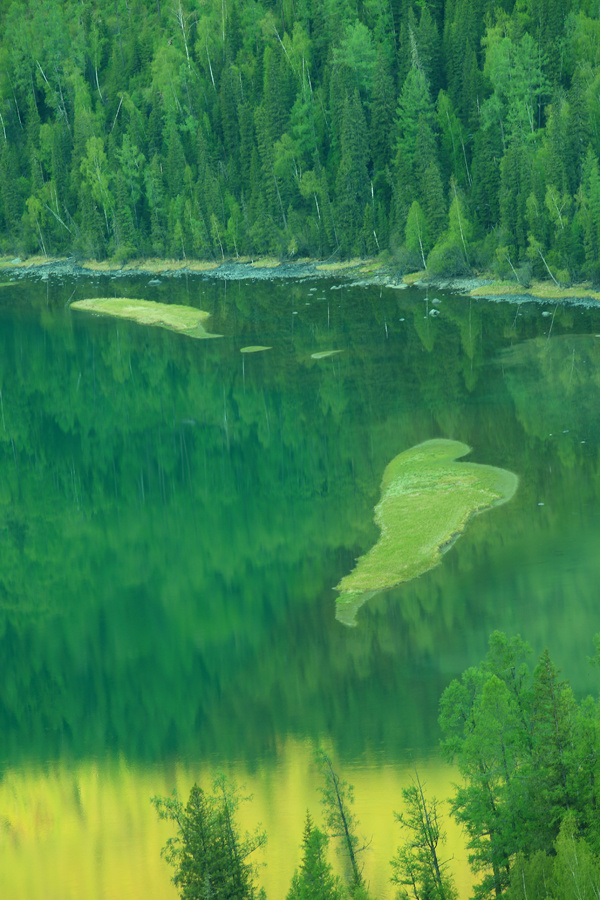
pixel 485 719
pixel 515 187
pixel 485 177
pixel 124 228
pixel 428 47
pixel 417 174
pixel 208 854
pixel 553 723
pixel 382 113
pixel 352 182
pixel 314 880
pixel 229 102
pixel 174 162
pixel 589 215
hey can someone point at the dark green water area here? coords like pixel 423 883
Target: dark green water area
pixel 175 515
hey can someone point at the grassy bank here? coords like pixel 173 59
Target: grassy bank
pixel 538 290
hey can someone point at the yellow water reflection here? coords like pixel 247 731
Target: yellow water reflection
pixel 89 830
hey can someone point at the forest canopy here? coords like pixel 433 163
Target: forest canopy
pixel 457 134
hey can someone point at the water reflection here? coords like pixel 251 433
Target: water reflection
pixel 172 524
pixel 93 832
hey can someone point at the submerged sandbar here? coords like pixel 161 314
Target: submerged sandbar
pixel 182 319
pixel 427 499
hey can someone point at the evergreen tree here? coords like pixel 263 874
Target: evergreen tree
pixel 123 228
pixel 485 178
pixel 527 757
pixel 207 853
pixel 382 113
pixel 416 157
pixel 553 751
pixel 315 879
pixel 352 180
pixel 486 720
pixel 515 187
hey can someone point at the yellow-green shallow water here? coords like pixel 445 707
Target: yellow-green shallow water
pixel 94 834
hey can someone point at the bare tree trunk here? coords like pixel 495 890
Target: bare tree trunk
pixel 462 237
pixel 181 21
pixel 547 267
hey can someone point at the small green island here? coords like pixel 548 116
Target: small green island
pixel 182 319
pixel 427 500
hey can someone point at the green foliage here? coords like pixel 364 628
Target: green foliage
pixel 524 750
pixel 416 236
pixel 337 798
pixel 417 865
pixel 188 132
pixel 571 870
pixel 315 879
pixel 208 854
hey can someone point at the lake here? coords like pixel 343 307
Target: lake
pixel 175 514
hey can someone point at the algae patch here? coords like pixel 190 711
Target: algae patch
pixel 325 354
pixel 182 319
pixel 427 499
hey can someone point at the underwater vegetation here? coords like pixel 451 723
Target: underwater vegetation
pixel 427 499
pixel 182 319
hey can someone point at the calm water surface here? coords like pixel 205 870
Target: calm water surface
pixel 175 514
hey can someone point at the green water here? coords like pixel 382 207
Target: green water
pixel 174 516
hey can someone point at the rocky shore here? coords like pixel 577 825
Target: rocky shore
pixel 355 273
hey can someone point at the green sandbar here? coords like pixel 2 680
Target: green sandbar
pixel 540 290
pixel 427 499
pixel 182 319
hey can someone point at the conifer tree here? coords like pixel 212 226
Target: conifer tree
pixel 209 856
pixel 352 182
pixel 314 880
pixel 382 113
pixel 527 757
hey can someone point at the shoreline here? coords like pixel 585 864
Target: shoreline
pixel 356 272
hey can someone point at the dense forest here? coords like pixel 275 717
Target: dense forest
pixel 527 754
pixel 457 134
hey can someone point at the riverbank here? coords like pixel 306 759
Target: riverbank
pixel 264 268
pixel 356 272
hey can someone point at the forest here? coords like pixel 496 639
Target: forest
pixel 527 754
pixel 456 135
